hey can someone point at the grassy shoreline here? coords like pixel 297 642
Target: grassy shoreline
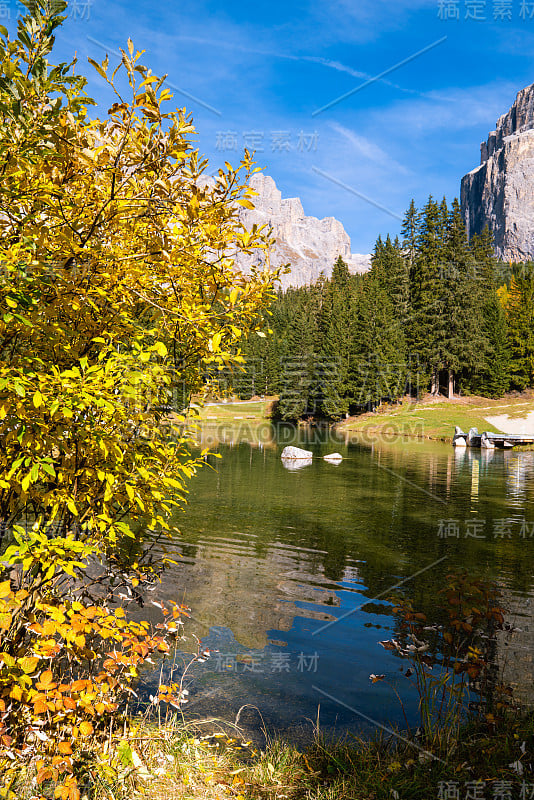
pixel 177 760
pixel 431 418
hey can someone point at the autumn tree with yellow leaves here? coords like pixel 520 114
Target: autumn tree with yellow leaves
pixel 117 292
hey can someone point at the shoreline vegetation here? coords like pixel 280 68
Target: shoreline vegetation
pixel 430 418
pixel 209 760
pixel 472 738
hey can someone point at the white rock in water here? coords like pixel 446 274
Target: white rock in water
pixel 295 452
pixel 334 458
pixel 459 442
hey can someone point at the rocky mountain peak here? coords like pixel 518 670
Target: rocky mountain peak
pixel 518 119
pixel 499 192
pixel 308 244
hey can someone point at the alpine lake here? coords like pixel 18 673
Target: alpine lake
pixel 289 573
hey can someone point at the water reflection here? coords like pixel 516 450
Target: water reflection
pixel 294 464
pixel 267 558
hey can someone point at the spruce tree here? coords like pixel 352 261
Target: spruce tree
pixel 426 302
pixel 462 344
pixel 335 323
pixel 410 232
pixel 493 378
pixel 521 326
pixel 377 369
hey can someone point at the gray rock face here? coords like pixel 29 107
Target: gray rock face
pixel 500 192
pixel 308 244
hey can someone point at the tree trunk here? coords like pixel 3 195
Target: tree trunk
pixel 435 384
pixel 451 384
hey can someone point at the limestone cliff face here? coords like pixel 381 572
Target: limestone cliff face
pixel 308 244
pixel 500 192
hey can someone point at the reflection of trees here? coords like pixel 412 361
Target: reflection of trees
pixel 369 515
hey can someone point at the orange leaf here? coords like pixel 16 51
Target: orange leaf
pixel 40 707
pixel 65 748
pixel 44 774
pixel 86 728
pixel 74 792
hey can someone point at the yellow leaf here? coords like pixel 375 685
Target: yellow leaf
pixel 5 589
pixel 28 664
pixel 215 342
pixel 37 399
pixel 160 349
pixel 16 692
pixel 71 505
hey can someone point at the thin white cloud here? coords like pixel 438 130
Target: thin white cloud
pixel 230 44
pixel 368 149
pixel 452 109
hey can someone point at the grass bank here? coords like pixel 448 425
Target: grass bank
pixel 180 761
pixel 436 418
pixel 429 418
pixel 254 411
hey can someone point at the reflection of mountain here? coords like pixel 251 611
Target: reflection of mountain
pixel 266 550
pixel 226 582
pixel 515 656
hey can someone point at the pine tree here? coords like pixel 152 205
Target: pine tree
pixel 335 323
pixel 521 326
pixel 377 261
pixel 426 301
pixel 462 344
pixel 410 232
pixel 300 386
pixel 395 279
pixel 493 378
pixel 377 369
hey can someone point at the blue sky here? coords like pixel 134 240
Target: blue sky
pixel 260 73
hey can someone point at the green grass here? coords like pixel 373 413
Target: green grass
pixel 437 420
pixel 181 761
pixel 253 411
pixel 422 420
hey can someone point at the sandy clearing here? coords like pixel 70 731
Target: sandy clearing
pixel 508 424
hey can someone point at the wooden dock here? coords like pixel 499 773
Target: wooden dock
pixel 488 440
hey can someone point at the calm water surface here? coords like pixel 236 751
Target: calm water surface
pixel 287 572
